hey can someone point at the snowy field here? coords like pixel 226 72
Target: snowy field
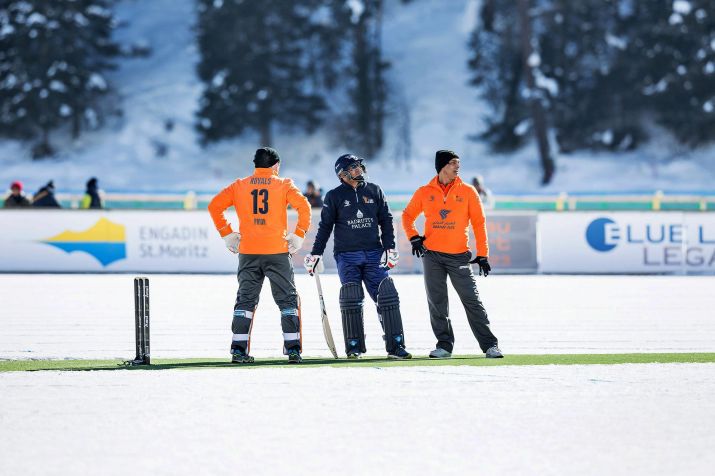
pixel 596 419
pixel 92 316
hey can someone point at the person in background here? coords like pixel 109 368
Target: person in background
pixel 485 195
pixel 45 197
pixel 91 197
pixel 312 193
pixel 16 199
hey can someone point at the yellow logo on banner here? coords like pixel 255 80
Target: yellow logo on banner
pixel 105 241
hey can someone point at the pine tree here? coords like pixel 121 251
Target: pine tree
pixel 276 63
pixel 507 69
pixel 53 54
pixel 362 124
pixel 679 45
pixel 257 69
pixel 606 66
pixel 497 66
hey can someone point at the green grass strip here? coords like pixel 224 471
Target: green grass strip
pixel 369 362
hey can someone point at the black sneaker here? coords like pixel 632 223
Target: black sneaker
pixel 294 356
pixel 400 354
pixel 353 355
pixel 241 357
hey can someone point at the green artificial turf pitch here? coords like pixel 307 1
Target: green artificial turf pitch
pixel 365 362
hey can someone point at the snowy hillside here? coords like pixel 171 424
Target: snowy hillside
pixel 426 43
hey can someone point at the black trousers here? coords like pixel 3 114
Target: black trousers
pixel 437 267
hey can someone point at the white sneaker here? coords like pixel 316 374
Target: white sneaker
pixel 493 352
pixel 440 353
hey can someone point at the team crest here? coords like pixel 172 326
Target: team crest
pixel 431 198
pixel 367 199
pixel 459 199
pixel 443 213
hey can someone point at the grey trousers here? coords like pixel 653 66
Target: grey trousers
pixel 437 266
pixel 253 269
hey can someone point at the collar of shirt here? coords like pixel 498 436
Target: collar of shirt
pixel 350 187
pixel 264 172
pixel 445 188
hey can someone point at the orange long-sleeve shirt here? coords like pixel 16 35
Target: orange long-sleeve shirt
pixel 261 201
pixel 448 213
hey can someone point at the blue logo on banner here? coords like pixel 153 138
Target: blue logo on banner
pixel 602 234
pixel 105 241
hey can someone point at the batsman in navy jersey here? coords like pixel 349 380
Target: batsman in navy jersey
pixel 364 248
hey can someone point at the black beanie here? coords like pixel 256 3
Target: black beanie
pixel 442 158
pixel 266 157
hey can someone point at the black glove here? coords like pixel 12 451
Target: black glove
pixel 483 264
pixel 418 247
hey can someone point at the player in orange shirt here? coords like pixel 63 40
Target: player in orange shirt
pixel 449 206
pixel 264 246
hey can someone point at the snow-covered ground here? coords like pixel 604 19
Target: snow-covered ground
pixel 81 316
pixel 426 43
pixel 588 420
pixel 547 420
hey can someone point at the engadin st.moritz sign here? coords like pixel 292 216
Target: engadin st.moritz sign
pixel 112 241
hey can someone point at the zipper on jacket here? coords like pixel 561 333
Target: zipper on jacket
pixel 445 195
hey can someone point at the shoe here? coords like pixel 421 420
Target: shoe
pixel 241 357
pixel 294 356
pixel 440 353
pixel 353 355
pixel 399 354
pixel 493 352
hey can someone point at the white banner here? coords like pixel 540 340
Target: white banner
pixel 186 241
pixel 112 241
pixel 649 242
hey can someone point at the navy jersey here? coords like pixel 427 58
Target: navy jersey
pixel 361 218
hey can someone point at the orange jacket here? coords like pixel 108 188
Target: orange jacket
pixel 261 201
pixel 447 217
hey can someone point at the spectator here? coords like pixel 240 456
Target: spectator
pixel 313 194
pixel 16 199
pixel 485 195
pixel 91 197
pixel 45 197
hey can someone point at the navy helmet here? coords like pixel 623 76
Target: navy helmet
pixel 346 162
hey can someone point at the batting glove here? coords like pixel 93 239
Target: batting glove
pixel 313 264
pixel 390 258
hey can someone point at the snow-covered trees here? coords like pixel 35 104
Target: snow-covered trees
pixel 602 69
pixel 294 64
pixel 362 124
pixel 52 56
pixel 256 69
